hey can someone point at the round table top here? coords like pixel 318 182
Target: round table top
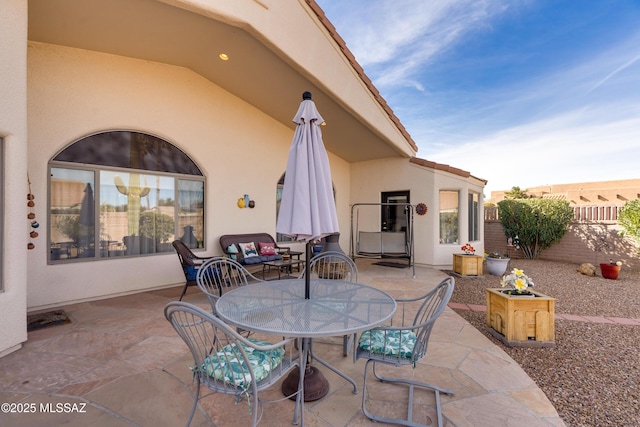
pixel 278 307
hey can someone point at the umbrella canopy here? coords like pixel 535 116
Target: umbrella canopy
pixel 87 207
pixel 307 209
pixel 87 222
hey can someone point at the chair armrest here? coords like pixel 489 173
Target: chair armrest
pixel 196 261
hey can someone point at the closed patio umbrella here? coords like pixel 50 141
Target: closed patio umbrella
pixel 87 222
pixel 87 207
pixel 307 209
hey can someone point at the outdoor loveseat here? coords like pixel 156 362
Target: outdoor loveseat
pixel 252 248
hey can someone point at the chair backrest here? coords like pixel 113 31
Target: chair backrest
pixel 405 341
pixel 184 253
pixel 333 265
pixel 221 274
pixel 226 362
pixel 431 306
pixel 212 344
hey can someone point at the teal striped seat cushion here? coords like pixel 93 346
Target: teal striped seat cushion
pixel 228 365
pixel 390 343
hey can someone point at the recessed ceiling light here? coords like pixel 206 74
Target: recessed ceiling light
pixel 223 56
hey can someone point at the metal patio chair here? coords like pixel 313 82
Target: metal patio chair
pixel 228 363
pixel 221 274
pixel 405 345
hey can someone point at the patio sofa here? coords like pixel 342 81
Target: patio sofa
pixel 252 248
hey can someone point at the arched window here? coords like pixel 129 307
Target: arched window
pixel 123 193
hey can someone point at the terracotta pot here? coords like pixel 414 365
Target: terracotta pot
pixel 610 271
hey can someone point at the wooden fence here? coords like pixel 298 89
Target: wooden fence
pixel 592 237
pixel 594 213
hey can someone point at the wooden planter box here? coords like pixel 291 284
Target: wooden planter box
pixel 467 265
pixel 521 320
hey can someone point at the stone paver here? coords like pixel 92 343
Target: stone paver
pixel 122 362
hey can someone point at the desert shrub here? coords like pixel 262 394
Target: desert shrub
pixel 629 220
pixel 535 224
pixel 157 226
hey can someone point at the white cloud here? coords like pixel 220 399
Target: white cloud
pixel 397 41
pixel 563 149
pixel 574 120
pixel 578 124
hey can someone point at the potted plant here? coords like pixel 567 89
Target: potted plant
pixel 466 263
pixel 518 283
pixel 497 263
pixel 611 269
pixel 518 316
pixel 468 249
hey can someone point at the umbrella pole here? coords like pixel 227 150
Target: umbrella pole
pixel 307 274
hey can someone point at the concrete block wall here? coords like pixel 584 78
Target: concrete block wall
pixel 584 242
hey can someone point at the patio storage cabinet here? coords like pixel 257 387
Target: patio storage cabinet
pixel 467 265
pixel 520 320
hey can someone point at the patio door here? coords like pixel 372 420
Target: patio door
pixel 394 218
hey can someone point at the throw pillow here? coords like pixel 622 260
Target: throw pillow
pixel 231 249
pixel 248 249
pixel 267 248
pixel 191 272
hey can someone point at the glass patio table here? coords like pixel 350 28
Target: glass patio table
pixel 335 308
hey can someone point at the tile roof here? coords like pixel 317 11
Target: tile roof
pixel 360 71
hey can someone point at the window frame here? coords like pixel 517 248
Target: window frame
pixel 177 188
pixel 473 216
pixel 456 214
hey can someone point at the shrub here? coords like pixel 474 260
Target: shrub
pixel 157 226
pixel 629 219
pixel 536 223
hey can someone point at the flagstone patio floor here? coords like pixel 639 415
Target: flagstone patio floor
pixel 120 363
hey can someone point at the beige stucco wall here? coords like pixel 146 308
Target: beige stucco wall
pixel 73 93
pixel 369 179
pixel 13 129
pixel 309 49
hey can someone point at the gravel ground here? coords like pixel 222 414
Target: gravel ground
pixel 592 375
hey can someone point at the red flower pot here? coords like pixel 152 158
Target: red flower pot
pixel 610 271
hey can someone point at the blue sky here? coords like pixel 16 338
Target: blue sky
pixel 520 93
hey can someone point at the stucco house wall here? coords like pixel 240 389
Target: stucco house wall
pixel 369 179
pixel 13 130
pixel 74 93
pixel 60 83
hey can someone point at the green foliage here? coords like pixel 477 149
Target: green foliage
pixel 156 225
pixel 69 226
pixel 629 219
pixel 537 223
pixel 516 193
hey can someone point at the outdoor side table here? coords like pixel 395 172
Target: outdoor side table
pixel 282 266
